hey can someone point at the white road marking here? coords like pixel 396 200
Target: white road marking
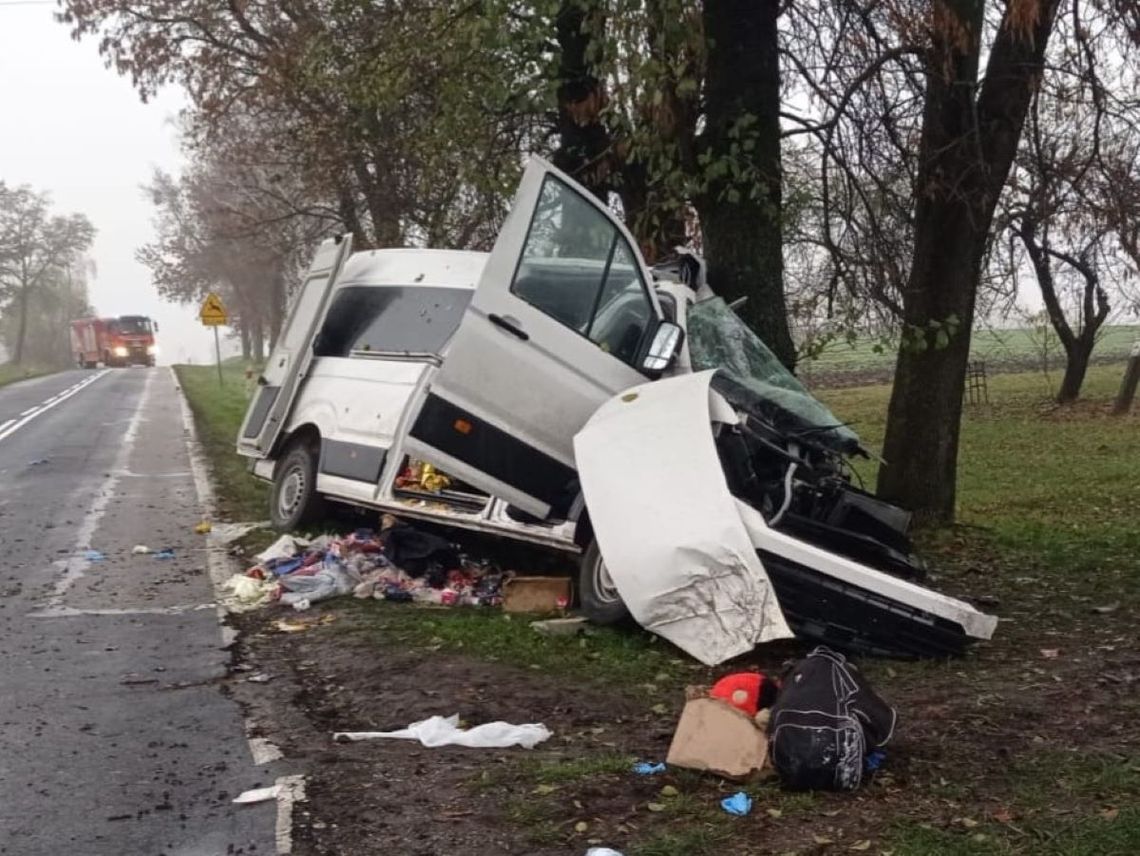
pixel 13 425
pixel 218 563
pixel 292 791
pixel 75 567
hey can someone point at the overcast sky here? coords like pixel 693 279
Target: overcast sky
pixel 79 131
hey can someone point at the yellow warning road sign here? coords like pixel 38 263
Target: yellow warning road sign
pixel 213 312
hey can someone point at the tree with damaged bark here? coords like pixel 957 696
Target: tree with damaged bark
pixel 36 249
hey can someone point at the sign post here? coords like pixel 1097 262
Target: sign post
pixel 213 314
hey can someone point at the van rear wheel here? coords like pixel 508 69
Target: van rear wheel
pixel 596 590
pixel 294 501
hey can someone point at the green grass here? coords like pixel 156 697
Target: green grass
pixel 1017 346
pixel 218 413
pixel 10 373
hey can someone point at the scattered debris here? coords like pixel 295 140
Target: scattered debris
pixel 713 735
pixel 301 625
pixel 824 721
pixel 247 592
pixel 739 804
pixel 203 528
pixel 140 549
pixel 165 553
pixel 300 573
pixel 132 680
pixel 94 556
pixel 1050 653
pixel 602 851
pixel 445 731
pixel 1105 610
pixel 39 462
pixel 260 678
pixel 537 594
pixel 644 768
pixel 560 626
pixel 258 795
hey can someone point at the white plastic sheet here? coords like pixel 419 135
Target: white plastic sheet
pixel 445 731
pixel 667 526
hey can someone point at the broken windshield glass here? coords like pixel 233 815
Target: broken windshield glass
pixel 718 339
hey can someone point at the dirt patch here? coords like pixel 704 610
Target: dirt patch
pixel 975 737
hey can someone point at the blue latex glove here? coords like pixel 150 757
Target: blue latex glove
pixel 739 804
pixel 643 768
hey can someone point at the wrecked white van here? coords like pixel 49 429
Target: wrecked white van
pixel 570 396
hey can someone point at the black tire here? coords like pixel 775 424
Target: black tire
pixel 294 501
pixel 596 592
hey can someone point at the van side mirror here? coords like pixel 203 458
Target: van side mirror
pixel 664 348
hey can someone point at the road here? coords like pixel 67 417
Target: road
pixel 116 735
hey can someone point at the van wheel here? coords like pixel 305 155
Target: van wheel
pixel 596 591
pixel 294 501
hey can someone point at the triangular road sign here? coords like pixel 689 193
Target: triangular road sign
pixel 213 312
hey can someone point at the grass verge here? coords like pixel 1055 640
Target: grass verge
pixel 10 373
pixel 218 412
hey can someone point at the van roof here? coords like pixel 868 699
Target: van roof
pixel 438 268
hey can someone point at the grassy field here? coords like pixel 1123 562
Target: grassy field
pixel 10 373
pixel 1027 746
pixel 1013 349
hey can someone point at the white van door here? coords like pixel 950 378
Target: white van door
pixel 289 362
pixel 562 319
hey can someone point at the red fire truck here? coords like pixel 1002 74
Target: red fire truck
pixel 124 341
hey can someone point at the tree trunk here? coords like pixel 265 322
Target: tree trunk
pixel 584 141
pixel 741 217
pixel 1077 358
pixel 243 331
pixel 22 330
pixel 969 138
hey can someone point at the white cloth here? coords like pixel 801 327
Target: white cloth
pixel 445 731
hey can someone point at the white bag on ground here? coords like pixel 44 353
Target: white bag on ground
pixel 445 731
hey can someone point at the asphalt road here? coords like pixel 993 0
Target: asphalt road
pixel 115 734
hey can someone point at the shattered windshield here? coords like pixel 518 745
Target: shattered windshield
pixel 718 339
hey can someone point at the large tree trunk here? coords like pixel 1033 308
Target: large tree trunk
pixel 584 141
pixel 741 211
pixel 967 147
pixel 1077 358
pixel 243 331
pixel 22 329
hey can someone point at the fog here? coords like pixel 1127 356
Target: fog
pixel 78 130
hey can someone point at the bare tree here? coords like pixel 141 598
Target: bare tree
pixel 34 246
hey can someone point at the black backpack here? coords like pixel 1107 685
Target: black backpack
pixel 824 722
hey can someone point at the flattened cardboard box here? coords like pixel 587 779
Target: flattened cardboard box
pixel 716 737
pixel 536 595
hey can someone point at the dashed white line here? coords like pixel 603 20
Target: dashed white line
pixel 13 425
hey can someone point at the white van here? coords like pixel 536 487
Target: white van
pixel 511 372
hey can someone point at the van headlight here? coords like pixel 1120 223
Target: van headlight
pixel 152 350
pixel 120 351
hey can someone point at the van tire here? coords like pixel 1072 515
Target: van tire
pixel 294 501
pixel 597 595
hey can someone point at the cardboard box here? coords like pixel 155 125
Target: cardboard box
pixel 537 595
pixel 716 737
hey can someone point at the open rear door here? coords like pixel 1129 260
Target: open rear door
pixel 293 352
pixel 561 320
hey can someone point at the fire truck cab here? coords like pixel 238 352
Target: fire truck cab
pixel 123 341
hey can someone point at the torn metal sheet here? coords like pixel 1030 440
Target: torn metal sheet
pixel 667 526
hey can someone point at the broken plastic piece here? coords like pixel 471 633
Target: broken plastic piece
pixel 739 804
pixel 445 731
pixel 258 795
pixel 94 556
pixel 140 549
pixel 203 528
pixel 644 768
pixel 167 553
